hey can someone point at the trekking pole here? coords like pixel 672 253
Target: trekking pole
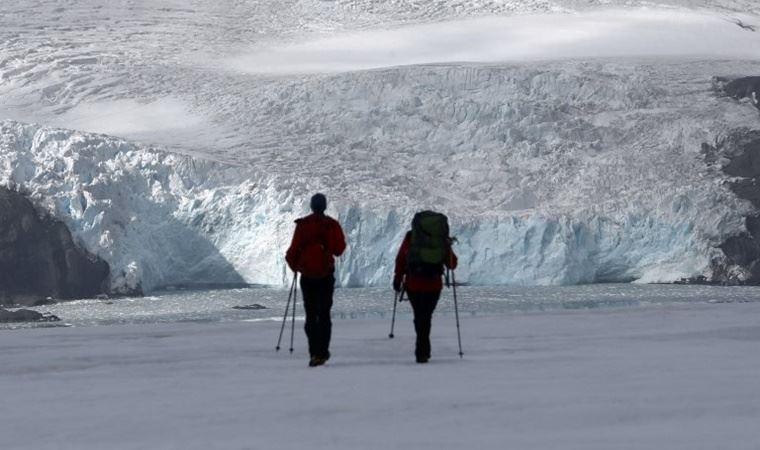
pixel 285 316
pixel 293 322
pixel 396 298
pixel 456 311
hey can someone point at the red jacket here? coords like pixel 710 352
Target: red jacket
pixel 417 282
pixel 317 239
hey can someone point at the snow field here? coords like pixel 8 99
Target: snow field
pixel 603 33
pixel 680 377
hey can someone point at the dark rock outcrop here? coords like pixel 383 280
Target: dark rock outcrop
pixel 254 306
pixel 26 315
pixel 740 153
pixel 745 26
pixel 742 88
pixel 38 257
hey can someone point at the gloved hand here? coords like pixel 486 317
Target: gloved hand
pixel 397 284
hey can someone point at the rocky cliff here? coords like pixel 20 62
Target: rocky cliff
pixel 39 259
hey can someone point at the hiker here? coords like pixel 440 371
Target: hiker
pixel 317 240
pixel 420 263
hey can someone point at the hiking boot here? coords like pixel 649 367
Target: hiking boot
pixel 316 361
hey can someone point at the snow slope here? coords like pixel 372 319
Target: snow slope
pixel 660 378
pixel 585 167
pixel 599 33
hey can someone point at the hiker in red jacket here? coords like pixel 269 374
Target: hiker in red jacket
pixel 317 240
pixel 423 287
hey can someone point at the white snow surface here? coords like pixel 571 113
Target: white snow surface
pixel 535 37
pixel 682 377
pixel 583 167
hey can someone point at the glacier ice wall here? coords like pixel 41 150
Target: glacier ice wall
pixel 159 219
pixel 165 219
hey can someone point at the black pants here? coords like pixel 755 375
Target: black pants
pixel 317 301
pixel 423 305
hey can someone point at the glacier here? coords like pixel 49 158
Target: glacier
pixel 584 169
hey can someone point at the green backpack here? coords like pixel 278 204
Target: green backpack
pixel 429 244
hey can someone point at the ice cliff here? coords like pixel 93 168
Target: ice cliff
pixel 628 192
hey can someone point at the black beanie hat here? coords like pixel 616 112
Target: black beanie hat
pixel 319 203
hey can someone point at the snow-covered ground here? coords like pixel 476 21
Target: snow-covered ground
pixel 677 377
pixel 645 32
pixel 562 137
